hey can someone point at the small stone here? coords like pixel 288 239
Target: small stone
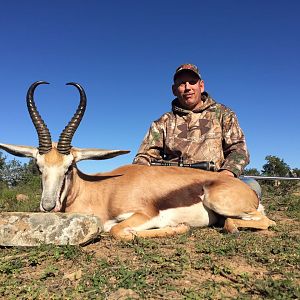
pixel 22 197
pixel 33 229
pixel 122 294
pixel 74 275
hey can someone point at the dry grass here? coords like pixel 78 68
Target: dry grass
pixel 203 264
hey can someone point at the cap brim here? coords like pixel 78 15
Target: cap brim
pixel 185 70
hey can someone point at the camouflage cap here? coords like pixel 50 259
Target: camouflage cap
pixel 185 67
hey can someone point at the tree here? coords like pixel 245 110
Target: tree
pixel 31 167
pixel 12 173
pixel 31 178
pixel 275 167
pixel 251 171
pixel 296 171
pixel 2 164
pixel 2 160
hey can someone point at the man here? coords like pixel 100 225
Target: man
pixel 197 129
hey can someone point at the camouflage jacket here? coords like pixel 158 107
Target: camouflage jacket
pixel 211 133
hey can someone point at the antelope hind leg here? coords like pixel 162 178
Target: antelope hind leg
pixel 231 198
pixel 256 220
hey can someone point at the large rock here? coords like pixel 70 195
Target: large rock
pixel 33 229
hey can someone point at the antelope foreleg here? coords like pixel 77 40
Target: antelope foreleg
pixel 130 228
pixel 163 232
pixel 125 229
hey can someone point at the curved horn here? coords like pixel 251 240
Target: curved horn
pixel 45 143
pixel 65 139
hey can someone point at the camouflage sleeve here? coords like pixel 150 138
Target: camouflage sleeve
pixel 152 145
pixel 234 145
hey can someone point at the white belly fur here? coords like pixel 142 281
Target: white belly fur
pixel 195 215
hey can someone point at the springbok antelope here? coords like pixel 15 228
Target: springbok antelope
pixel 134 200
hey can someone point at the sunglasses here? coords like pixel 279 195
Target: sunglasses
pixel 184 82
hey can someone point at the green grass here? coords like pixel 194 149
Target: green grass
pixel 203 264
pixel 8 201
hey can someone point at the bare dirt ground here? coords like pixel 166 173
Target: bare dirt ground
pixel 205 263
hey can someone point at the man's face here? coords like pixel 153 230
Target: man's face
pixel 188 88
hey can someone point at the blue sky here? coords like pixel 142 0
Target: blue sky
pixel 124 54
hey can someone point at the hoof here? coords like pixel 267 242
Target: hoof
pixel 123 234
pixel 230 227
pixel 235 231
pixel 232 230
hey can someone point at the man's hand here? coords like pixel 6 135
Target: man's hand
pixel 226 172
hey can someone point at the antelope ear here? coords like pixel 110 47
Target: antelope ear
pixel 95 154
pixel 22 151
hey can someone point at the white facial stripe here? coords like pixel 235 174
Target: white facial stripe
pixel 52 182
pixel 55 183
pixel 67 181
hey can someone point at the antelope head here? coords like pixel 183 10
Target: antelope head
pixel 56 160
